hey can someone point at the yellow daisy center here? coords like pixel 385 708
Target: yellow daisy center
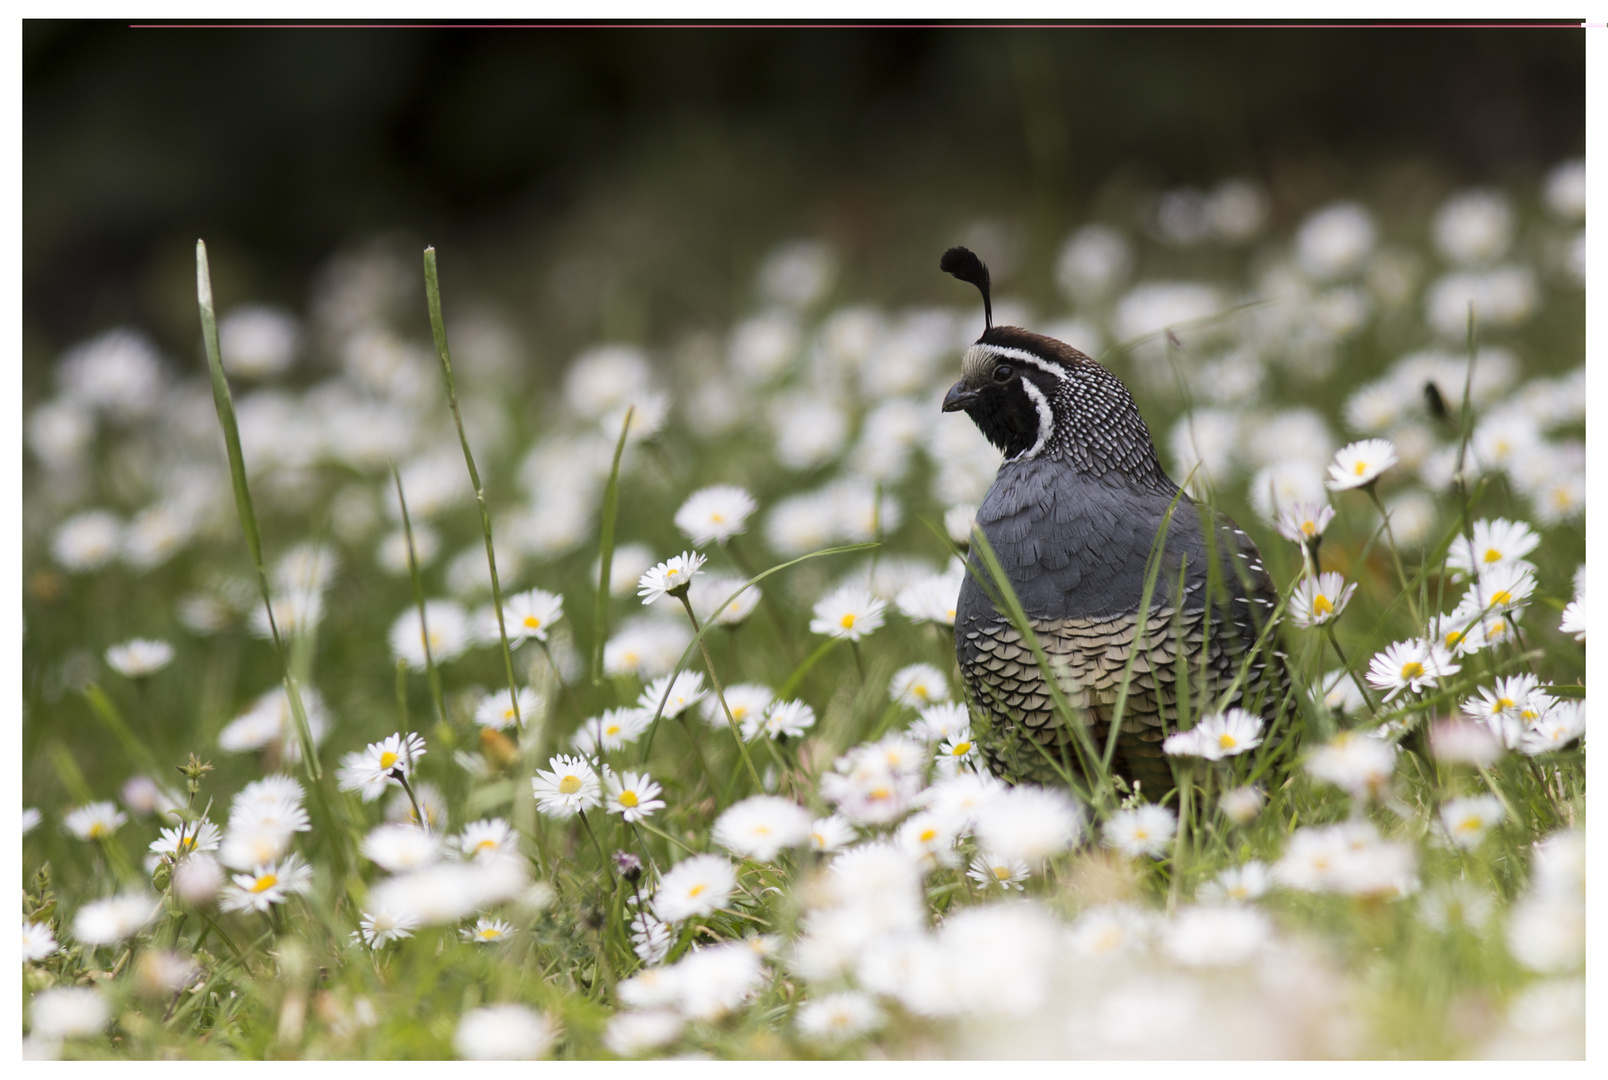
pixel 569 785
pixel 187 843
pixel 847 622
pixel 486 845
pixel 1141 834
pixel 98 830
pixel 264 883
pixel 717 519
pixel 490 933
pixel 1504 703
pixel 1470 824
pixel 1453 637
pixel 878 793
pixel 1321 605
pixel 1227 741
pixel 1503 597
pixel 696 889
pixel 1492 555
pixel 1361 467
pixel 928 835
pixel 1003 873
pixel 387 759
pixel 1412 669
pixel 1310 528
pixel 532 622
pixel 961 749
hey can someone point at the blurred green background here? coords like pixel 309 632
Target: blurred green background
pixel 623 183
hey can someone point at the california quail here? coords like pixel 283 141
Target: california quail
pixel 1072 517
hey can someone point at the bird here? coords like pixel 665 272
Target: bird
pixel 1072 517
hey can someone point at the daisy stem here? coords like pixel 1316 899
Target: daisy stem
pixel 1395 553
pixel 783 634
pixel 438 330
pixel 605 543
pixel 709 662
pixel 424 822
pixel 859 661
pixel 803 669
pixel 1346 664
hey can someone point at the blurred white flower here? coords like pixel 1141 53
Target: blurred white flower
pixel 1093 262
pixel 715 513
pixel 1468 820
pixel 798 273
pixel 508 1032
pixel 399 848
pixel 1145 830
pixel 835 1018
pixel 761 826
pixel 529 614
pixel 497 712
pixel 68 1011
pixel 95 821
pixel 992 871
pixel 1335 241
pixel 712 589
pixel 697 885
pixel 140 657
pixel 603 378
pixel 87 541
pixel 1244 882
pixel 1474 227
pixel 449 634
pixel 1357 762
pixel 258 341
pixel 1565 190
pixel 1217 936
pixel 1218 735
pixel 267 885
pixel 38 941
pixel 1241 805
pixel 118 373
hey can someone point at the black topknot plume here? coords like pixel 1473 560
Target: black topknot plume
pixel 964 264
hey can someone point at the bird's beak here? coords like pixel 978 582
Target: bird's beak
pixel 960 397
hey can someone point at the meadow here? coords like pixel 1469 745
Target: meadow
pixel 379 702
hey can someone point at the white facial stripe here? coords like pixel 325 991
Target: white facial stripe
pixel 979 361
pixel 1045 417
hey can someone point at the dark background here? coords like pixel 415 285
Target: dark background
pixel 612 180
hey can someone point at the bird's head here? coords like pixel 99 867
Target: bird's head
pixel 1034 396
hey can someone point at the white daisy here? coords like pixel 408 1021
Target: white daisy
pixel 368 772
pixel 992 871
pixel 670 696
pixel 1357 762
pixel 38 941
pixel 933 599
pixel 186 839
pixel 715 513
pixel 838 1017
pixel 671 577
pixel 529 615
pixel 566 787
pixel 632 795
pixel 1245 882
pixel 849 612
pixel 507 1032
pixel 400 848
pixel 781 719
pixel 615 729
pixel 747 702
pixel 1218 735
pixel 1026 823
pixel 830 833
pixel 488 931
pixel 1360 464
pixel 106 922
pixel 1560 725
pixel 1321 599
pixel 267 885
pixel 1302 522
pixel 383 925
pixel 716 589
pixel 1411 665
pixel 1241 805
pixel 1494 543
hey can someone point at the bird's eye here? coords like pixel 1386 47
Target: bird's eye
pixel 1003 373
